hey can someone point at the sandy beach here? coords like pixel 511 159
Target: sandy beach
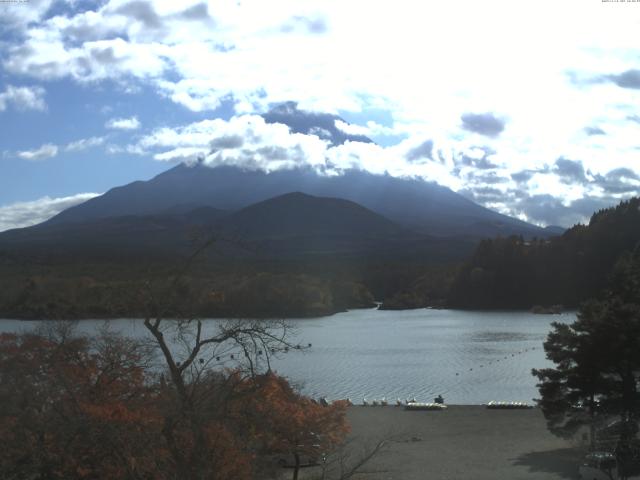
pixel 463 442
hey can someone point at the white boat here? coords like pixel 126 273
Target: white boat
pixel 425 406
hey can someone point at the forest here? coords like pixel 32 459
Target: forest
pixel 501 273
pixel 517 273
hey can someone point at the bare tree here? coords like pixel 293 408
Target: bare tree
pixel 195 352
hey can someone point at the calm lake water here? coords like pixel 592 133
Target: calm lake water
pixel 468 357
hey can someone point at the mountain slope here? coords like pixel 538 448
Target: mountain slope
pixel 298 214
pixel 293 223
pixel 416 204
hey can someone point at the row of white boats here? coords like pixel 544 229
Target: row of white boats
pixel 413 404
pixel 383 402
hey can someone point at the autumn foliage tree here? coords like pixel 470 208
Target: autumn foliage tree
pixel 105 408
pixel 195 400
pixel 290 424
pixel 74 408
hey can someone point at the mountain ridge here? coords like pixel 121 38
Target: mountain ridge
pixel 416 204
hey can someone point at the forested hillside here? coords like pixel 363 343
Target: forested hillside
pixel 516 273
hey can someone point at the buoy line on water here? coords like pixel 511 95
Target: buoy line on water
pixel 507 357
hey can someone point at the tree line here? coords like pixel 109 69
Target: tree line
pixel 517 273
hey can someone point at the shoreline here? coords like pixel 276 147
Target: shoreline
pixel 294 317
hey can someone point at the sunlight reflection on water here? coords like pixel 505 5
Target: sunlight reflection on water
pixel 468 357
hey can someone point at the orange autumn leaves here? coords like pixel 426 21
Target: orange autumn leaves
pixel 71 410
pixel 77 408
pixel 290 422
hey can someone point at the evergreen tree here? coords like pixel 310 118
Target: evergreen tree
pixel 597 357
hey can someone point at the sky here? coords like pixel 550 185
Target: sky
pixel 529 108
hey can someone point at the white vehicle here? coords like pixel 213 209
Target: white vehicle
pixel 599 466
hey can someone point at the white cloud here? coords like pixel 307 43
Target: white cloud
pixel 371 129
pixel 429 70
pixel 131 123
pixel 25 214
pixel 47 150
pixel 84 143
pixel 22 98
pixel 250 142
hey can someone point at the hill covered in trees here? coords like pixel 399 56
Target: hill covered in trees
pixel 517 273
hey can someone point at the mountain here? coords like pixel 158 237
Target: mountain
pixel 424 207
pixel 293 223
pixel 300 215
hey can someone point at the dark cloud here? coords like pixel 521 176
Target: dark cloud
pixel 619 181
pixel 424 150
pixel 311 123
pixel 594 131
pixel 570 171
pixel 482 162
pixel 490 178
pixel 484 195
pixel 227 142
pixel 523 176
pixel 198 12
pixel 315 25
pixel 549 210
pixel 485 124
pixel 143 12
pixel 105 56
pixel 628 79
pixel 634 118
pixel 274 152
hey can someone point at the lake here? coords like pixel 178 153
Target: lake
pixel 468 357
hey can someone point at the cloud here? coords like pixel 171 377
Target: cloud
pixel 634 118
pixel 131 123
pixel 570 171
pixel 248 62
pixel 198 12
pixel 486 124
pixel 325 125
pixel 250 142
pixel 619 181
pixel 485 195
pixel 84 144
pixel 50 150
pixel 247 141
pixel 523 176
pixel 143 12
pixel 47 150
pixel 594 131
pixel 313 25
pixel 226 142
pixel 25 214
pixel 546 209
pixel 424 150
pixel 490 178
pixel 476 157
pixel 627 79
pixel 22 98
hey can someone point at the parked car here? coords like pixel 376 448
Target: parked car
pixel 599 466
